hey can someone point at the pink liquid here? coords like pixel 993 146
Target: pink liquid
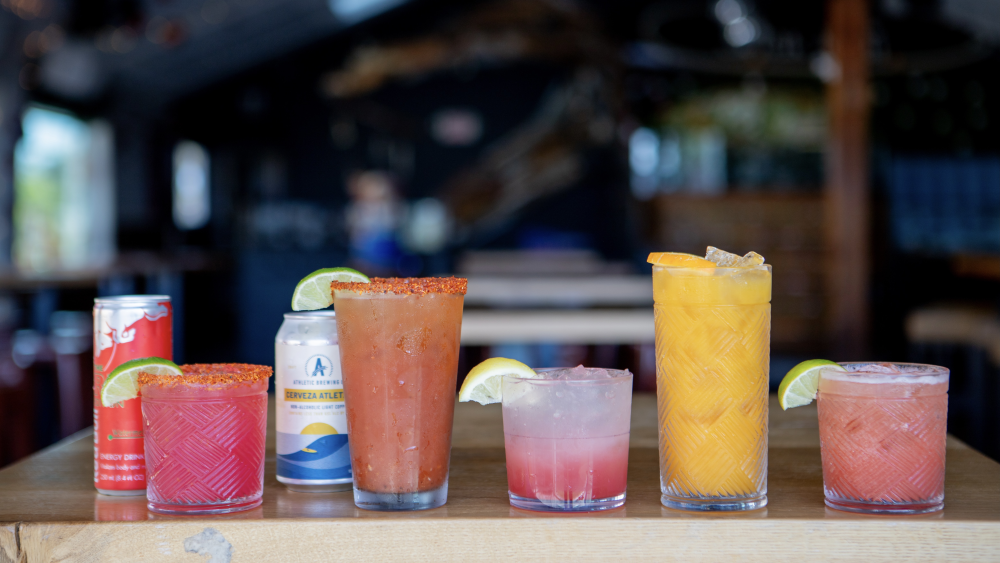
pixel 567 469
pixel 204 446
pixel 883 444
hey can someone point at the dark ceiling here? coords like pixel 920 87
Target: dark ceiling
pixel 151 53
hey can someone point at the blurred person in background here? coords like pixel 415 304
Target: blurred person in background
pixel 373 217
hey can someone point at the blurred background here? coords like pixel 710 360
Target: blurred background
pixel 218 150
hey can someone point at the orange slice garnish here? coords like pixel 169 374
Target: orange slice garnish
pixel 678 260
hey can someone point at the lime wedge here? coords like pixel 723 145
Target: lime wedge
pixel 483 384
pixel 313 291
pixel 121 383
pixel 799 386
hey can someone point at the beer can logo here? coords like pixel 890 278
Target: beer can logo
pixel 319 366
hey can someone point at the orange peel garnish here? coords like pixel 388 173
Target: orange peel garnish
pixel 678 260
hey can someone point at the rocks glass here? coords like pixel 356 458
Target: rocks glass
pixel 882 430
pixel 204 438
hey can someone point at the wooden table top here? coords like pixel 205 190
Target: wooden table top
pixel 49 511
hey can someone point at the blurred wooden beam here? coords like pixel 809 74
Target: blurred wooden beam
pixel 847 194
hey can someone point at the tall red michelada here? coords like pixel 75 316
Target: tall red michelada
pixel 126 327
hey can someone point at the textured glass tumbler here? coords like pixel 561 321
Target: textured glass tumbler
pixel 566 441
pixel 204 446
pixel 399 356
pixel 882 431
pixel 713 337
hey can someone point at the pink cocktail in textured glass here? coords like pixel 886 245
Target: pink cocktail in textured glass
pixel 882 430
pixel 204 438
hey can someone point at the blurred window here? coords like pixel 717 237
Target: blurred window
pixel 427 226
pixel 644 149
pixel 353 11
pixel 192 201
pixel 752 138
pixel 64 205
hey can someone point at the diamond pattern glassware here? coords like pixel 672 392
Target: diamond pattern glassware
pixel 713 330
pixel 204 446
pixel 882 431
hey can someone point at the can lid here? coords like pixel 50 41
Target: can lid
pixel 126 300
pixel 311 315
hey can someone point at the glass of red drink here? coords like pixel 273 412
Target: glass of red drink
pixel 399 342
pixel 204 438
pixel 882 430
pixel 566 438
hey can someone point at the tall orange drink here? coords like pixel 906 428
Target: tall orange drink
pixel 399 342
pixel 713 337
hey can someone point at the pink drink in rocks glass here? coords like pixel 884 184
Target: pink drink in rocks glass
pixel 566 439
pixel 882 431
pixel 204 438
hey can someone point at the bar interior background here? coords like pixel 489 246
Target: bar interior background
pixel 218 150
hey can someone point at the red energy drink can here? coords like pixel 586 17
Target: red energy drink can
pixel 126 327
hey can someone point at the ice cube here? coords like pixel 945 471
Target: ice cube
pixel 750 259
pixel 582 373
pixel 725 259
pixel 579 372
pixel 722 258
pixel 414 342
pixel 879 368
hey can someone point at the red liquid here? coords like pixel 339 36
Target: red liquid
pixel 399 357
pixel 205 445
pixel 883 443
pixel 567 469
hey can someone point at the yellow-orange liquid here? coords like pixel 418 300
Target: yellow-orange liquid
pixel 713 329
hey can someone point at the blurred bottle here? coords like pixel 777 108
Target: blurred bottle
pixel 70 339
pixel 18 435
pixel 37 404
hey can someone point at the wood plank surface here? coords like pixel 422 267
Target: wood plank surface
pixel 50 512
pixel 9 551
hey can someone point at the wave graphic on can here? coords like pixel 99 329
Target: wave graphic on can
pixel 308 456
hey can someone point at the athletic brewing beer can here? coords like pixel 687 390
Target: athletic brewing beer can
pixel 313 454
pixel 126 327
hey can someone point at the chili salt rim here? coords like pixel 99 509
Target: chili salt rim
pixel 405 286
pixel 208 374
